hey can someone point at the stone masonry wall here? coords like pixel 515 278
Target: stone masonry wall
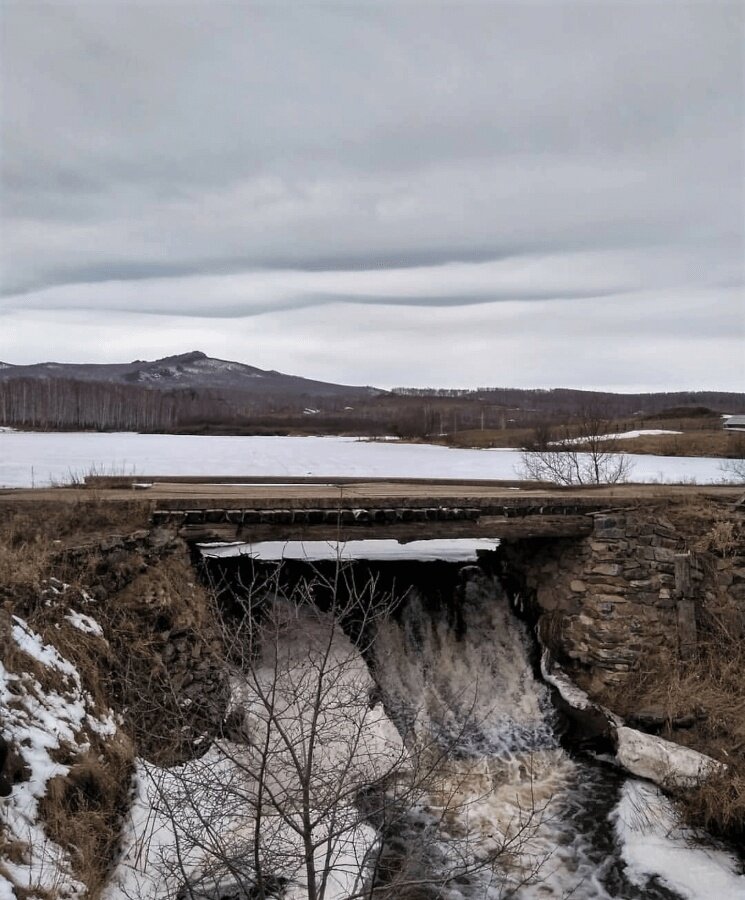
pixel 634 586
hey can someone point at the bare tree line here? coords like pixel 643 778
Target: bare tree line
pixel 69 404
pixel 419 413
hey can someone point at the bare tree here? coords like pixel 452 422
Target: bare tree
pixel 588 453
pixel 311 784
pixel 733 470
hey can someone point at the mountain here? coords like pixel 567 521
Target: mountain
pixel 195 393
pixel 192 371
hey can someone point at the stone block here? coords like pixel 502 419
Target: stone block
pixel 611 534
pixel 662 554
pixel 577 586
pixel 603 522
pixel 600 547
pixel 606 568
pixel 608 598
pixel 603 586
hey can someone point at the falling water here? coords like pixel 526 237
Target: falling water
pixel 508 808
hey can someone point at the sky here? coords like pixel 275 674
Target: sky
pixel 459 194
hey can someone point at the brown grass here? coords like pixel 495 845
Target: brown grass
pixel 700 437
pixel 83 809
pixel 692 443
pixel 718 804
pixel 708 695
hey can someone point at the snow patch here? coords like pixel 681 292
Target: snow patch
pixel 617 436
pixel 654 845
pixel 46 654
pixel 37 722
pixel 84 623
pixel 555 676
pixel 661 761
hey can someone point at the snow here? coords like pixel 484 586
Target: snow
pixel 654 845
pixel 555 676
pixel 37 722
pixel 84 623
pixel 44 457
pixel 645 755
pixel 661 761
pixel 621 435
pixel 456 550
pixel 45 654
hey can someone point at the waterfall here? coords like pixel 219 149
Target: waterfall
pixel 522 818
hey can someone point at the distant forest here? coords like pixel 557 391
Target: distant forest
pixel 69 404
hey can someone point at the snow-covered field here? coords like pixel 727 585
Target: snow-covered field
pixel 37 458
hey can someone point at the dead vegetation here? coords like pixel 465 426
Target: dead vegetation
pixel 167 676
pixel 83 809
pixel 154 617
pixel 701 704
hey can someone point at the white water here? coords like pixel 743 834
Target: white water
pixel 467 686
pixel 39 458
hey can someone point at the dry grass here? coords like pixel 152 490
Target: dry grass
pixel 83 809
pixel 718 804
pixel 164 607
pixel 699 437
pixel 489 437
pixel 708 695
pixel 691 443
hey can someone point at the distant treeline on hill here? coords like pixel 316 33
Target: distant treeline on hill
pixel 569 401
pixel 71 404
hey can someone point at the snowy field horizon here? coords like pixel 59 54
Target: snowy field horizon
pixel 37 459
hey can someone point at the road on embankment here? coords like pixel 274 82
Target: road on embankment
pixel 248 492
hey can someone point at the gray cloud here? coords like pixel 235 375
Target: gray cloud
pixel 261 161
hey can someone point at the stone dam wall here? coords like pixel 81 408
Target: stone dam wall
pixel 636 586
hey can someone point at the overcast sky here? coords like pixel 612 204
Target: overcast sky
pixel 517 194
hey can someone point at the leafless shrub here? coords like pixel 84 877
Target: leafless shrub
pixel 586 454
pixel 733 471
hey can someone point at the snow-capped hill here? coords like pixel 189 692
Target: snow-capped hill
pixel 194 370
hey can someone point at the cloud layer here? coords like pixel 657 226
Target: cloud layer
pixel 558 187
